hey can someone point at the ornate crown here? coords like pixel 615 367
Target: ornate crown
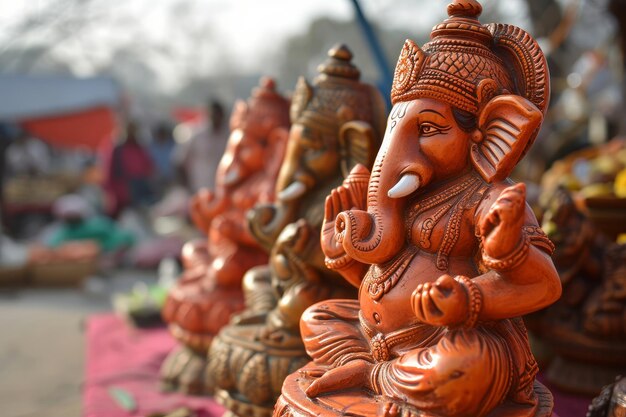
pixel 466 63
pixel 264 103
pixel 336 94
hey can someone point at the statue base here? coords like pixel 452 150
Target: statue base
pixel 239 407
pixel 184 370
pixel 196 317
pixel 248 370
pixel 295 403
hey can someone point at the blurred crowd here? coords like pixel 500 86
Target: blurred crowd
pixel 115 197
pixel 136 190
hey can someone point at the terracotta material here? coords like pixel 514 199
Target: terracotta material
pixel 210 289
pixel 337 123
pixel 586 328
pixel 446 252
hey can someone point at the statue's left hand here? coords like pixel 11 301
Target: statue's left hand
pixel 351 375
pixel 501 228
pixel 444 302
pixel 202 208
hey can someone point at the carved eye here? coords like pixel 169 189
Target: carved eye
pixel 456 374
pixel 310 138
pixel 431 129
pixel 427 129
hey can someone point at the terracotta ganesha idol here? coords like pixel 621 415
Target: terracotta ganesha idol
pixel 446 252
pixel 337 123
pixel 210 289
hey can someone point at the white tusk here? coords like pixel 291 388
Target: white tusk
pixel 409 183
pixel 232 177
pixel 293 191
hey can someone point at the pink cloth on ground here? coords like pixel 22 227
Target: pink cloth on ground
pixel 119 356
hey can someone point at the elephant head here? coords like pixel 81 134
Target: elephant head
pixel 472 99
pixel 336 123
pixel 254 152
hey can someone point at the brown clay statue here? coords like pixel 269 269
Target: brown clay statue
pixel 210 289
pixel 337 123
pixel 586 328
pixel 446 251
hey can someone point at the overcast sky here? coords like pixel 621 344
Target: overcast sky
pixel 251 26
pixel 242 31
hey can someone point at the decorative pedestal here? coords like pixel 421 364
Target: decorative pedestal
pixel 295 403
pixel 203 314
pixel 260 369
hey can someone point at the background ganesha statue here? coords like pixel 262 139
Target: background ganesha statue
pixel 337 122
pixel 210 289
pixel 445 251
pixel 586 328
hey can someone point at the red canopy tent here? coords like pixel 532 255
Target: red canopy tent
pixel 63 111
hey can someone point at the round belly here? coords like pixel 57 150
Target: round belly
pixel 392 310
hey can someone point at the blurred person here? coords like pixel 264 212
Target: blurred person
pixel 162 150
pixel 130 170
pixel 27 162
pixel 197 159
pixel 5 140
pixel 78 221
pixel 27 156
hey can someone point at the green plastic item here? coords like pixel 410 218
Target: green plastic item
pixel 123 398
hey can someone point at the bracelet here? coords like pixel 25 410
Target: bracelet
pixel 475 300
pixel 512 260
pixel 539 239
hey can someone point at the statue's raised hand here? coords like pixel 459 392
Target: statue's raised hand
pixel 204 207
pixel 501 228
pixel 352 194
pixel 444 302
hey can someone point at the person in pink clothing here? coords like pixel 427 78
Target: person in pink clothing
pixel 130 170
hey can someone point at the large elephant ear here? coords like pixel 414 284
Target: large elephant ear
pixel 522 54
pixel 357 141
pixel 239 114
pixel 508 124
pixel 277 145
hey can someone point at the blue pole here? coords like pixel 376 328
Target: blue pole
pixel 384 83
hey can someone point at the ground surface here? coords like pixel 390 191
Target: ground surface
pixel 42 344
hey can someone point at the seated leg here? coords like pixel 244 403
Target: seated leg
pixel 331 335
pixel 467 372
